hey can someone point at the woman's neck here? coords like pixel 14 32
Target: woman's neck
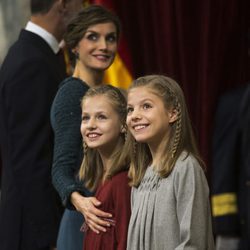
pixel 89 76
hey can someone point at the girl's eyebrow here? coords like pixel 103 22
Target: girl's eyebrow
pixel 96 113
pixel 141 101
pixel 146 99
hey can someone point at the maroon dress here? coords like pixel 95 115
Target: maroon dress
pixel 115 197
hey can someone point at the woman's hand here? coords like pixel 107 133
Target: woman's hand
pixel 94 217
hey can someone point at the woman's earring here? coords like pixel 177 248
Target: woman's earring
pixel 76 55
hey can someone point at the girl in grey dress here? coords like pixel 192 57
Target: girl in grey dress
pixel 170 195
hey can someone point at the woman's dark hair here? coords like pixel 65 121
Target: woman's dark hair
pixel 91 15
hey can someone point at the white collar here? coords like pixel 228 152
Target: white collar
pixel 44 34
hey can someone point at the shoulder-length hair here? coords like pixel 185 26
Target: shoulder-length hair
pixel 91 170
pixel 181 136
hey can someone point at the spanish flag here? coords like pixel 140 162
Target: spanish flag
pixel 119 73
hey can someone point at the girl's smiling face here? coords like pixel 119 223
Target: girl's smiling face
pixel 148 119
pixel 100 127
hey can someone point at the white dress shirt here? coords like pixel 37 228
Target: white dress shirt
pixel 44 34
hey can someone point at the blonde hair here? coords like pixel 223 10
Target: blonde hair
pixel 91 170
pixel 181 136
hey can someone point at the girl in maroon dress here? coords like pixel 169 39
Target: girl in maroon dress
pixel 105 165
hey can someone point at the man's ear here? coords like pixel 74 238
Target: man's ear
pixel 62 6
pixel 173 115
pixel 63 2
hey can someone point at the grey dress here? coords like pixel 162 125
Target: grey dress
pixel 172 213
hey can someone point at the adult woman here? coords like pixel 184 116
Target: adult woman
pixel 92 36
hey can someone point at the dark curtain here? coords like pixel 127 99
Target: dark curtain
pixel 201 44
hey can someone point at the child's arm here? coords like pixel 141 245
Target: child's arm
pixel 192 206
pixel 121 196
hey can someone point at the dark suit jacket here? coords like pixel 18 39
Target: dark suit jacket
pixel 29 79
pixel 231 166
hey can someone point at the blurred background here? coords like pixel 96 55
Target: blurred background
pixel 203 45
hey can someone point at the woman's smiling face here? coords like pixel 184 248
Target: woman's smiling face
pixel 98 47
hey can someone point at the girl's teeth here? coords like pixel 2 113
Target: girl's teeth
pixel 139 127
pixel 92 135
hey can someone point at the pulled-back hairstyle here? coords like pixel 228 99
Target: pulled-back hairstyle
pixel 41 6
pixel 91 15
pixel 91 170
pixel 181 136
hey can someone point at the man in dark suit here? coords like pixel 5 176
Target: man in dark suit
pixel 29 78
pixel 231 170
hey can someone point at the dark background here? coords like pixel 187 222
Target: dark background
pixel 202 44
